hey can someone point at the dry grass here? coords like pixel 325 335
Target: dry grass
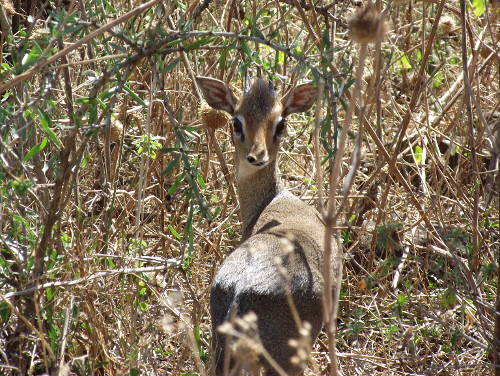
pixel 107 262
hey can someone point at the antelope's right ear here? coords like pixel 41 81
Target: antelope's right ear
pixel 217 94
pixel 300 99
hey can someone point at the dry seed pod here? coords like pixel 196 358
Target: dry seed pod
pixel 364 23
pixel 246 349
pixel 447 25
pixel 212 118
pixel 116 129
pixel 9 8
pixel 226 328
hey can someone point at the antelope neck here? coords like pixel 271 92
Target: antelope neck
pixel 255 192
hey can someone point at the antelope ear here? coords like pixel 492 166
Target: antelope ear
pixel 217 94
pixel 299 99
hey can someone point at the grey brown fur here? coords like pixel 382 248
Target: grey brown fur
pixel 276 226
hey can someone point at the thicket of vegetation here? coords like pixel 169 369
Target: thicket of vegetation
pixel 117 203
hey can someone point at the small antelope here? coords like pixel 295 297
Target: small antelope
pixel 280 232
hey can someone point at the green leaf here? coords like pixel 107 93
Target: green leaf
pixel 168 150
pixel 135 96
pixel 52 259
pixel 49 293
pixel 281 58
pixel 259 13
pixel 199 342
pixel 85 160
pixel 256 32
pixel 418 154
pixel 438 79
pixel 222 59
pixel 404 62
pixel 45 123
pixel 35 149
pixel 32 57
pixel 174 233
pixel 325 39
pixel 478 7
pixel 175 42
pixel 190 129
pixel 402 299
pixel 118 47
pixel 72 30
pixel 200 180
pixel 174 186
pixel 170 166
pixel 449 298
pixel 21 187
pixel 419 55
pixel 189 229
pixel 170 66
pixel 100 364
pixel 246 49
pixel 4 311
pixel 52 333
pixel 198 43
pixel 194 187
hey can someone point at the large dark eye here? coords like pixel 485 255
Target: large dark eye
pixel 280 127
pixel 238 129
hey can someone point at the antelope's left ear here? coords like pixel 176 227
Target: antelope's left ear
pixel 299 99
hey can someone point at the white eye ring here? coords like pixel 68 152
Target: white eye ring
pixel 277 132
pixel 239 127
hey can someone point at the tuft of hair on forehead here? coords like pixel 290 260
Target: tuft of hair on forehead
pixel 261 98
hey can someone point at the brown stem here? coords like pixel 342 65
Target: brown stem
pixel 470 119
pixel 420 82
pixel 330 302
pixel 496 339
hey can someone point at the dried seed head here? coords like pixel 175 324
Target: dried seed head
pixel 302 354
pixel 246 349
pixel 287 244
pixel 65 370
pixel 116 129
pixel 307 326
pixel 241 324
pixel 213 119
pixel 9 8
pixel 167 324
pixel 364 25
pixel 447 25
pixel 283 271
pixel 300 360
pixel 250 318
pixel 226 328
pixel 304 332
pixel 295 360
pixel 362 284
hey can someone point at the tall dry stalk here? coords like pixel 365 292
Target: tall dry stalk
pixel 365 26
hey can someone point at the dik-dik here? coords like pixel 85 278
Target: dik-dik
pixel 279 230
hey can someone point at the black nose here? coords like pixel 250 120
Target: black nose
pixel 251 159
